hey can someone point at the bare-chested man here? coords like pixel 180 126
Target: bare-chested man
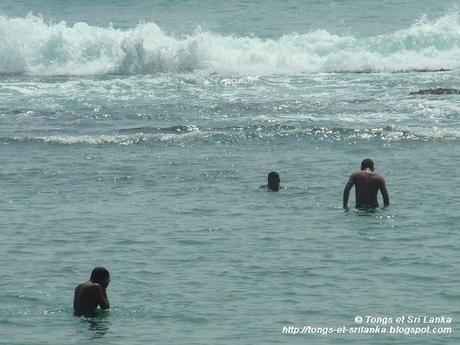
pixel 91 294
pixel 367 184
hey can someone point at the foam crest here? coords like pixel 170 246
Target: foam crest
pixel 31 46
pixel 194 135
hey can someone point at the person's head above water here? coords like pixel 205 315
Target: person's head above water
pixel 273 181
pixel 100 275
pixel 367 164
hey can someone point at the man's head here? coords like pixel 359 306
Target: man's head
pixel 273 180
pixel 101 276
pixel 367 164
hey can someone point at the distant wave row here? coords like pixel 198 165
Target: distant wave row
pixel 194 135
pixel 30 46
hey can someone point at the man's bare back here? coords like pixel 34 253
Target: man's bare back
pixel 367 184
pixel 91 294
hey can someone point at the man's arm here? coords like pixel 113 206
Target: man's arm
pixel 76 297
pixel 102 299
pixel 384 191
pixel 346 191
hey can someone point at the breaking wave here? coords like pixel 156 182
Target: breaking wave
pixel 30 46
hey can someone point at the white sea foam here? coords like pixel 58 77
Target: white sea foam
pixel 33 47
pixel 250 133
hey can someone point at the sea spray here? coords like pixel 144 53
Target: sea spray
pixel 30 46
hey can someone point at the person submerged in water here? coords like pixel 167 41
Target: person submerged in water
pixel 91 294
pixel 367 184
pixel 273 182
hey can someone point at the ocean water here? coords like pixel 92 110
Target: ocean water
pixel 135 135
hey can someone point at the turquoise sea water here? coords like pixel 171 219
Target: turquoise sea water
pixel 135 136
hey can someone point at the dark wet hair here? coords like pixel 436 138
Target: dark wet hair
pixel 99 274
pixel 367 164
pixel 273 175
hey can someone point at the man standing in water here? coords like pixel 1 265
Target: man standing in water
pixel 91 294
pixel 367 184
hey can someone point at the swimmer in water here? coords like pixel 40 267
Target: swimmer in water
pixel 273 182
pixel 91 294
pixel 367 184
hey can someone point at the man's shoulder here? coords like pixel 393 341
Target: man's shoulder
pixel 380 178
pixel 377 179
pixel 88 286
pixel 367 174
pixel 376 176
pixel 356 174
pixel 80 286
